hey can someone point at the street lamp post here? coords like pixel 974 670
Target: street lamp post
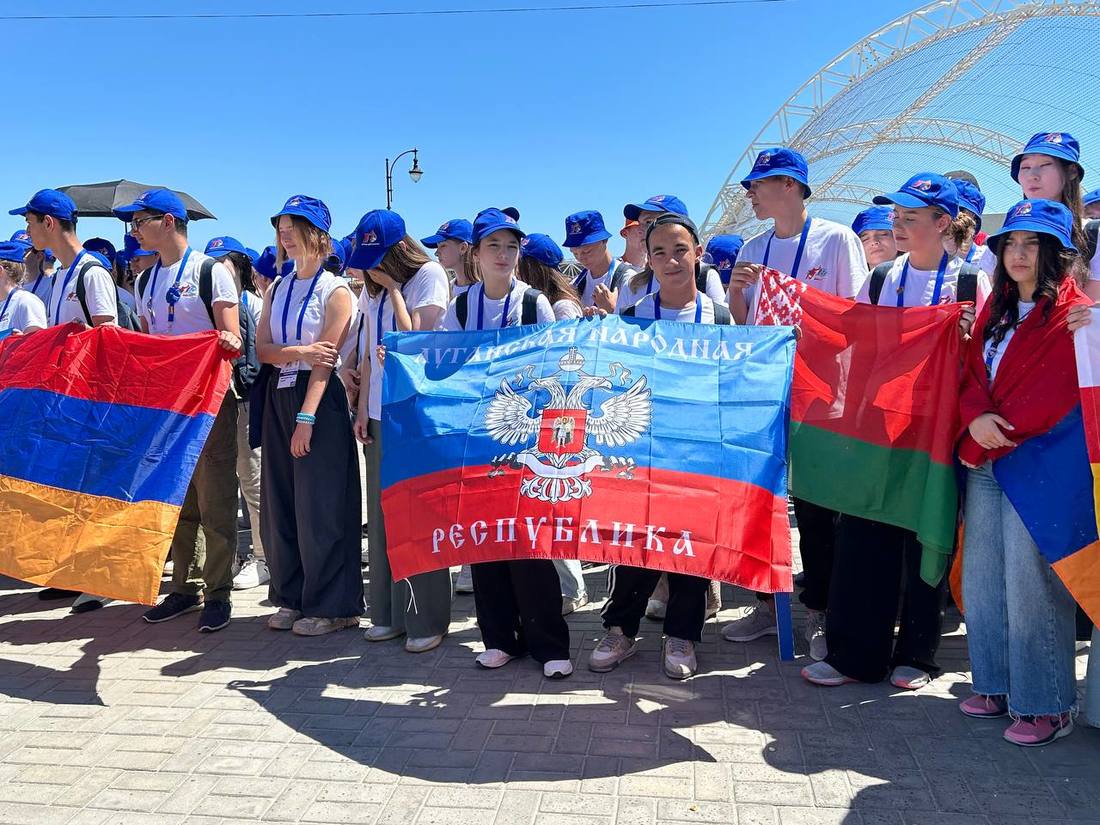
pixel 415 173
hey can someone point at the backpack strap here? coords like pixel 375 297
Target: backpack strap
pixel 1092 231
pixel 143 283
pixel 206 288
pixel 620 274
pixel 701 279
pixel 628 313
pixel 529 313
pixel 722 315
pixel 878 278
pixel 82 289
pixel 581 283
pixel 462 304
pixel 966 288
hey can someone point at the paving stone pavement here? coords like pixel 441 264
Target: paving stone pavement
pixel 105 719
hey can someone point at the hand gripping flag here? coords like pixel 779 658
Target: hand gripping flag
pixel 874 410
pixel 649 443
pixel 100 435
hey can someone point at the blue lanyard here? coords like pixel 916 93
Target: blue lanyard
pixel 970 253
pixel 698 306
pixel 504 311
pixel 305 305
pixel 65 286
pixel 172 296
pixel 991 355
pixel 38 280
pixel 935 291
pixel 393 317
pixel 4 311
pixel 797 255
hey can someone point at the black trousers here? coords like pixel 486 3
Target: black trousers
pixel 817 528
pixel 518 605
pixel 878 565
pixel 311 507
pixel 630 588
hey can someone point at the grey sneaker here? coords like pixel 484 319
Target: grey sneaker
pixel 464 583
pixel 680 660
pixel 815 635
pixel 613 649
pixel 755 621
pixel 655 610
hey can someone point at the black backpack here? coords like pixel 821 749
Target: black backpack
pixel 528 308
pixel 965 290
pixel 126 317
pixel 722 317
pixel 617 277
pixel 246 366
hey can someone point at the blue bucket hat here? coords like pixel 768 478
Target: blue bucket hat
pixel 304 206
pixel 489 221
pixel 541 248
pixel 723 251
pixel 21 236
pixel 49 202
pixel 925 189
pixel 657 203
pixel 252 254
pixel 12 251
pixel 458 229
pixel 340 251
pixel 265 264
pixel 970 198
pixel 378 231
pixel 104 247
pixel 780 161
pixel 1060 145
pixel 1088 199
pixel 223 245
pixel 1037 215
pixel 164 201
pixel 584 228
pixel 877 217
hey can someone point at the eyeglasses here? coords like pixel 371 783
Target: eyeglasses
pixel 137 223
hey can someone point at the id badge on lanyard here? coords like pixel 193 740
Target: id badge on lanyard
pixel 288 373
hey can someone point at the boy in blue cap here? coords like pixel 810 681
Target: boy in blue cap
pixel 875 228
pixel 187 291
pixel 826 256
pixel 586 237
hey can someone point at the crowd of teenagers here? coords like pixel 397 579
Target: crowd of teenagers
pixel 305 318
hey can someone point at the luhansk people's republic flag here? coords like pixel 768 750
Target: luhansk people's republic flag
pixel 649 443
pixel 100 435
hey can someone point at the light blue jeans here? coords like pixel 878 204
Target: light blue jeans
pixel 571 577
pixel 1092 682
pixel 1019 615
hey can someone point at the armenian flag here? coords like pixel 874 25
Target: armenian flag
pixel 100 435
pixel 650 443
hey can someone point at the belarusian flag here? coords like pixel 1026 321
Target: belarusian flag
pixel 874 410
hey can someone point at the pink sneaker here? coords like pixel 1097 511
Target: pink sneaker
pixel 984 707
pixel 1033 731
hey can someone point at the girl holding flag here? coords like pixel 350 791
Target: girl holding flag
pixel 309 478
pixel 404 290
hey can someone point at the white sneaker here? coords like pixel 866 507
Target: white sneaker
pixel 613 649
pixel 493 658
pixel 382 633
pixel 85 603
pixel 825 675
pixel 755 621
pixel 557 669
pixel 655 609
pixel 465 581
pixel 909 678
pixel 422 644
pixel 680 660
pixel 169 567
pixel 815 635
pixel 572 605
pixel 253 573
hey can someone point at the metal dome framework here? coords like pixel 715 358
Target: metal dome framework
pixel 899 97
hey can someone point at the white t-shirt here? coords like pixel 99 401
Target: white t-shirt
pixel 254 304
pixel 629 296
pixel 590 283
pixel 544 313
pixel 22 309
pixel 833 260
pixel 920 284
pixel 565 308
pixel 190 311
pixel 99 289
pixel 647 308
pixel 127 298
pixel 290 293
pixel 458 289
pixel 41 286
pixel 1024 309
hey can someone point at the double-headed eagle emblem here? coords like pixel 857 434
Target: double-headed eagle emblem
pixel 561 459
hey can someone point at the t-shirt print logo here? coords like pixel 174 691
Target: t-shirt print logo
pixel 71 296
pixel 817 274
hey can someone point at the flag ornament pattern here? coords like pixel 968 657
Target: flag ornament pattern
pixel 627 441
pixel 101 432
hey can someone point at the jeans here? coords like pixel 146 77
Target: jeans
pixel 1019 615
pixel 571 577
pixel 1092 682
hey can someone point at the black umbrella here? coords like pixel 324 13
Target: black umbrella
pixel 98 200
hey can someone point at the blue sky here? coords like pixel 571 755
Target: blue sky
pixel 552 112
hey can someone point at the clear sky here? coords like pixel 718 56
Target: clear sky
pixel 552 112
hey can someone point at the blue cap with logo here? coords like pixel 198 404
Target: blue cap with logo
pixel 378 231
pixel 1089 198
pixel 163 201
pixel 541 248
pixel 780 161
pixel 874 218
pixel 489 221
pixel 657 203
pixel 1061 145
pixel 925 189
pixel 1037 215
pixel 584 227
pixel 104 247
pixel 970 197
pixel 304 206
pixel 49 202
pixel 223 245
pixel 265 264
pixel 132 249
pixel 21 236
pixel 722 251
pixel 457 229
pixel 12 251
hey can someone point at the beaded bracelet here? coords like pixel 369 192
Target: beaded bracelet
pixel 305 418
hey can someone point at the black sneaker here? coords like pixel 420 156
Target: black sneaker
pixel 174 604
pixel 48 594
pixel 215 616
